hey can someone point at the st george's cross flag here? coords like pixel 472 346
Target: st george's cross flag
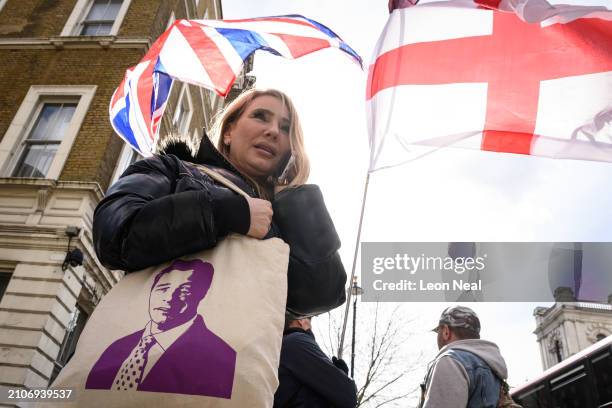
pixel 513 76
pixel 207 53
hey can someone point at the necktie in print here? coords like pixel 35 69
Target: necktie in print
pixel 130 374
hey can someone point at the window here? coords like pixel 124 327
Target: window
pixel 535 398
pixel 572 389
pixel 128 156
pixel 602 372
pixel 101 17
pixel 182 112
pixel 558 351
pixel 96 17
pixel 5 278
pixel 600 337
pixel 212 10
pixel 75 328
pixel 42 132
pixel 44 138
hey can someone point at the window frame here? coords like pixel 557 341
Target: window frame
pixel 604 355
pixel 29 128
pixel 74 25
pixel 171 20
pixel 184 93
pixel 126 157
pixel 12 143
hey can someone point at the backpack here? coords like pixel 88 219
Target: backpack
pixel 505 400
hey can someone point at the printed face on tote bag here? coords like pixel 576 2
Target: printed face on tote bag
pixel 175 352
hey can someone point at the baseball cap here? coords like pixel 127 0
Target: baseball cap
pixel 459 316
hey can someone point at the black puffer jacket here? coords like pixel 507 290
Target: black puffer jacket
pixel 308 378
pixel 163 207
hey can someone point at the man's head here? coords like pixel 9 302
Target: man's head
pixel 177 292
pixel 457 323
pixel 293 323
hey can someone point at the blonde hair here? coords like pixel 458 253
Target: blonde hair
pixel 298 167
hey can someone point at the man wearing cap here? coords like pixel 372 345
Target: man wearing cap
pixel 468 371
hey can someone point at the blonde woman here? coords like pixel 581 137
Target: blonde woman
pixel 164 207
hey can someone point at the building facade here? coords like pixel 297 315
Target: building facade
pixel 568 327
pixel 62 61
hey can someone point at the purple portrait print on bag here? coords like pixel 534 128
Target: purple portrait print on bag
pixel 175 352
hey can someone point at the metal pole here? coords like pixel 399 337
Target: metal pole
pixel 348 299
pixel 353 342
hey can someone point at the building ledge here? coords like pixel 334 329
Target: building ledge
pixel 551 313
pixel 37 183
pixel 593 306
pixel 75 42
pixel 576 305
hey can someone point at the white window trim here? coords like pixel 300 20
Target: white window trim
pixel 171 20
pixel 184 94
pixel 217 9
pixel 187 13
pixel 195 136
pixel 73 25
pixel 206 106
pixel 124 158
pixel 22 123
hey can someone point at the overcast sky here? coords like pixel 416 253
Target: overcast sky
pixel 451 195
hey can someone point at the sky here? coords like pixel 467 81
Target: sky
pixel 450 195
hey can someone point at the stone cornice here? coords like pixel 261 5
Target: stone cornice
pixel 570 310
pixel 33 237
pixel 75 42
pixel 54 239
pixel 39 183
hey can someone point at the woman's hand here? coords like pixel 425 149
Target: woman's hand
pixel 261 217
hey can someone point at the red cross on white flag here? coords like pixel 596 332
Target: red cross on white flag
pixel 463 73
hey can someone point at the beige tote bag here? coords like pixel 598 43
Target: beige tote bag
pixel 201 331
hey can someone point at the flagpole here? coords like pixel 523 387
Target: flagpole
pixel 350 292
pixel 363 202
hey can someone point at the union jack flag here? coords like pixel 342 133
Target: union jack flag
pixel 207 53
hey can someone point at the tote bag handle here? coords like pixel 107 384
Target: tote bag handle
pixel 222 179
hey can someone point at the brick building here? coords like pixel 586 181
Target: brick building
pixel 61 62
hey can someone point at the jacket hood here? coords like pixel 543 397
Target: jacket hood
pixel 207 154
pixel 484 349
pixel 179 149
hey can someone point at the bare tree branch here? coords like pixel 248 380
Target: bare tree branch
pixel 378 367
